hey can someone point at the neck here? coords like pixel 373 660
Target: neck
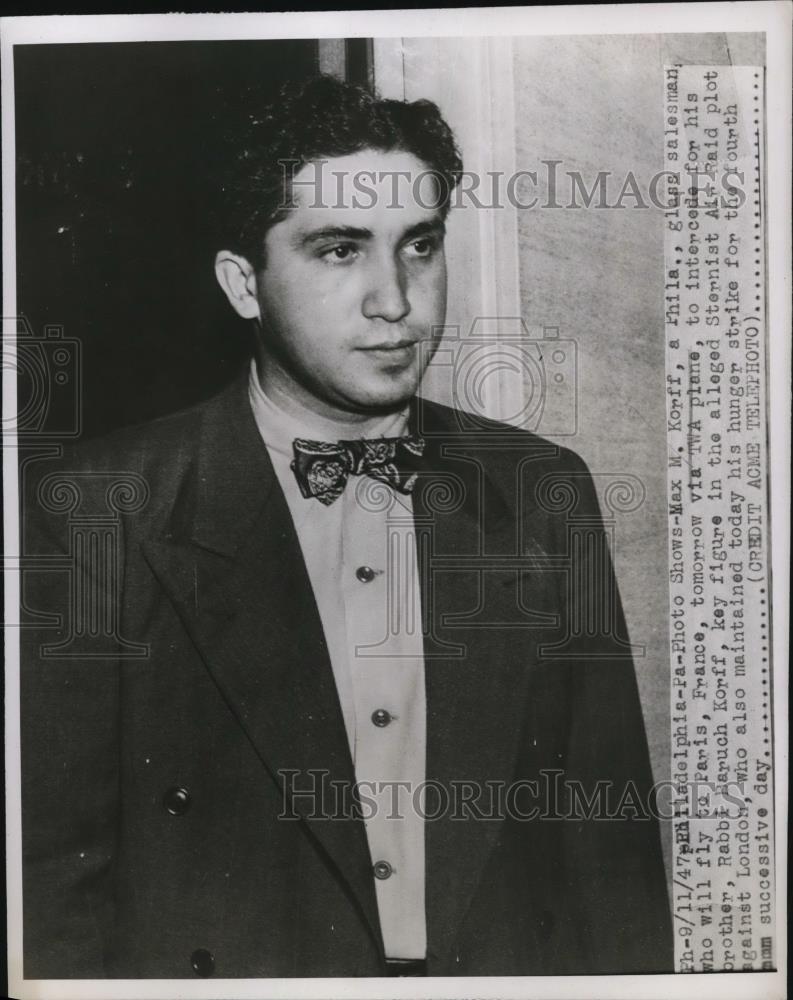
pixel 326 420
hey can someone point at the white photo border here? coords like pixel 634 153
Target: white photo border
pixel 772 18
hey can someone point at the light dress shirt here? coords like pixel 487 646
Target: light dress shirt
pixel 360 553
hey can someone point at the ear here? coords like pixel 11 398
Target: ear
pixel 237 277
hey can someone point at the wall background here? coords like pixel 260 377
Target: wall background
pixel 114 147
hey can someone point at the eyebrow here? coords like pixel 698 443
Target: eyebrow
pixel 427 227
pixel 333 233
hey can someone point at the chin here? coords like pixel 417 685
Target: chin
pixel 384 400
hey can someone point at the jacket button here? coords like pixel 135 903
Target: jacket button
pixel 177 802
pixel 381 717
pixel 382 870
pixel 365 574
pixel 203 962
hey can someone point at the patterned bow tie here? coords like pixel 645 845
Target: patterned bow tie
pixel 322 468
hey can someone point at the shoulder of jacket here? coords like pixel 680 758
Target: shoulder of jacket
pixel 456 422
pixel 165 441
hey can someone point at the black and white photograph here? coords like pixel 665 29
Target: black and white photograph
pixel 396 425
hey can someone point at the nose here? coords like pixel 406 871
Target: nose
pixel 386 295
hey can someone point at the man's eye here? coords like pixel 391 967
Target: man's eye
pixel 339 254
pixel 423 247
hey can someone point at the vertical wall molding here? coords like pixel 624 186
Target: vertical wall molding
pixel 332 57
pixel 471 80
pixel 389 68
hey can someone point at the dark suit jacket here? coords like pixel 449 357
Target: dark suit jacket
pixel 197 558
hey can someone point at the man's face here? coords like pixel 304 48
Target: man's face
pixel 354 285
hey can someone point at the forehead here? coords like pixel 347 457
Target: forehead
pixel 381 191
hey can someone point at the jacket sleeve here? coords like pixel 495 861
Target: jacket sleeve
pixel 69 758
pixel 614 861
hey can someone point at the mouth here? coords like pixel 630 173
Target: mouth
pixel 400 350
pixel 391 345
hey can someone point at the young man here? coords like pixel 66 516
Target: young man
pixel 352 704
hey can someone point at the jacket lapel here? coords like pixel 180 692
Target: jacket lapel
pixel 477 664
pixel 233 569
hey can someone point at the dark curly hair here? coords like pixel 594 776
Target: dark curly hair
pixel 320 118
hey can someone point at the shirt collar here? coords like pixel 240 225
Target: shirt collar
pixel 279 428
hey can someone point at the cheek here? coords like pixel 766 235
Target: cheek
pixel 428 294
pixel 328 297
pixel 440 289
pixel 293 313
pixel 310 328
